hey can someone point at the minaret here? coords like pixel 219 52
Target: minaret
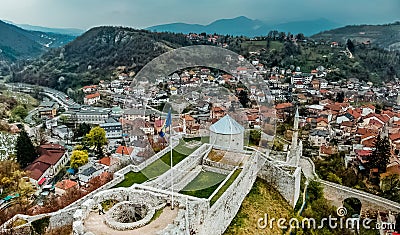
pixel 295 129
pixel 184 124
pixel 398 99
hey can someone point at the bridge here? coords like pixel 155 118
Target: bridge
pixel 337 193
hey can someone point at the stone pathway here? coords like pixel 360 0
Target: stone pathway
pixel 307 168
pixel 94 223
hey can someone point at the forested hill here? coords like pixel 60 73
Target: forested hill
pixel 17 43
pixel 385 36
pixel 95 55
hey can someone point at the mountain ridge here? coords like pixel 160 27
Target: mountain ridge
pixel 243 26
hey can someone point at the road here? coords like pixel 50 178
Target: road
pixel 58 96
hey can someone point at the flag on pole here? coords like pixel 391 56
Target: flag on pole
pixel 167 123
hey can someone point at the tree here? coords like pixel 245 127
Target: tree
pixel 12 180
pixel 340 97
pixel 82 130
pixel 390 186
pixel 334 178
pixel 380 156
pixel 244 98
pixel 40 136
pixel 255 137
pixel 25 151
pixel 97 138
pixel 78 158
pixel 64 119
pixel 20 111
pixel 350 45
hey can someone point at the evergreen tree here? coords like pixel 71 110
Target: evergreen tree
pixel 244 98
pixel 350 45
pixel 381 155
pixel 25 151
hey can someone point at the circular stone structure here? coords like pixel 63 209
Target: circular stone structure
pixel 129 215
pixel 227 134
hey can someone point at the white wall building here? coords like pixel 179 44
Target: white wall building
pixel 227 134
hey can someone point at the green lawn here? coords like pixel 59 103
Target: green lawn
pixel 132 178
pixel 204 184
pixel 225 186
pixel 158 167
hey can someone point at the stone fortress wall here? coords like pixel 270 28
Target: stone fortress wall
pixel 194 214
pixel 285 178
pixel 221 213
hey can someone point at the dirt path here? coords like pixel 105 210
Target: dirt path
pixel 94 223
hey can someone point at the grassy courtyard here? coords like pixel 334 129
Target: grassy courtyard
pixel 160 166
pixel 204 184
pixel 225 186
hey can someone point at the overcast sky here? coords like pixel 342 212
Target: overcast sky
pixel 143 13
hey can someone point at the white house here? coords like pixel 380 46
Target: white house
pixel 323 84
pixel 91 99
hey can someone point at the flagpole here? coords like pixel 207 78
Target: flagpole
pixel 172 178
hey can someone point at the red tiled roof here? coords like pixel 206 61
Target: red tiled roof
pixel 322 119
pixel 369 142
pixel 87 87
pixel 375 123
pixel 124 150
pixel 333 107
pixel 283 105
pixel 187 118
pixel 91 96
pixel 37 169
pixel 369 106
pixel 354 113
pixel 66 184
pixel 394 137
pixel 106 161
pixel 363 152
pixel 50 153
pixel 217 109
pixel 384 118
pixel 327 150
pixel 367 136
pixel 347 123
pixel 252 117
pixel 363 131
